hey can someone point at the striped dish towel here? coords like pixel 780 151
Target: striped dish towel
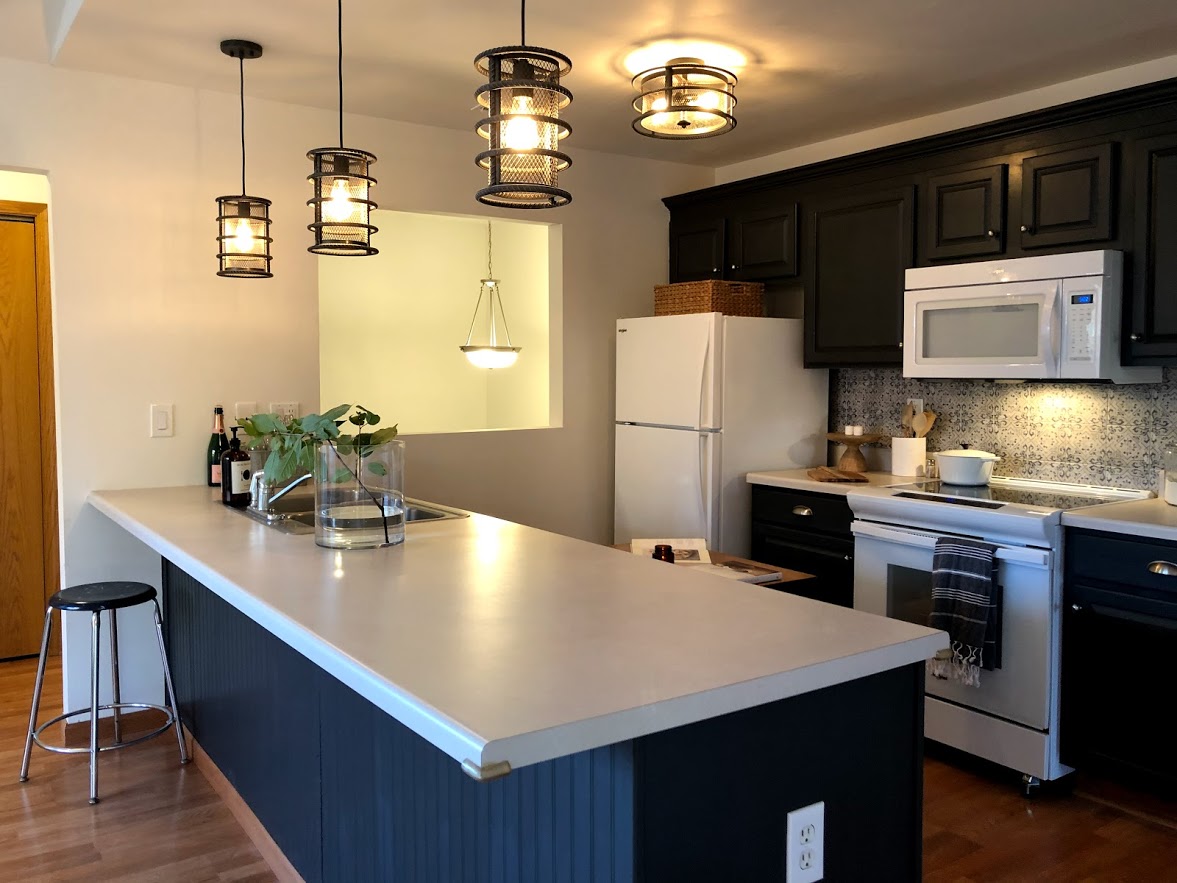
pixel 964 574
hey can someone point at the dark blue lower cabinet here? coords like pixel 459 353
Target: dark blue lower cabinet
pixel 350 794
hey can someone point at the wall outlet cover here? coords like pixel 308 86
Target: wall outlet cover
pixel 805 844
pixel 241 410
pixel 286 410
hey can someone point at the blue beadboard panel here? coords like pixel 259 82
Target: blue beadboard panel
pixel 395 808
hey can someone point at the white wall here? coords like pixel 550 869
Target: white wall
pixel 140 317
pixel 959 118
pixel 390 324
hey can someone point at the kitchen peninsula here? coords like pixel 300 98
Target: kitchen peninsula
pixel 489 701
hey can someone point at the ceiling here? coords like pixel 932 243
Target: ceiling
pixel 817 70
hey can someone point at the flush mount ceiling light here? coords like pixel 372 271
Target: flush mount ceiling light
pixel 523 98
pixel 243 222
pixel 341 188
pixel 491 354
pixel 683 99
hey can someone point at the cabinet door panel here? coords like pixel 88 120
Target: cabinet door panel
pixel 764 243
pixel 858 249
pixel 1153 307
pixel 696 249
pixel 1067 197
pixel 964 214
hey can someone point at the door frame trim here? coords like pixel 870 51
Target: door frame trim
pixel 39 213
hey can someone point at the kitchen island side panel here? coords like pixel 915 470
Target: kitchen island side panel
pixel 349 793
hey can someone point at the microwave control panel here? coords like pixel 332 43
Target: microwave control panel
pixel 1082 322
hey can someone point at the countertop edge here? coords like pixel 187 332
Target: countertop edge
pixel 443 733
pixel 1092 518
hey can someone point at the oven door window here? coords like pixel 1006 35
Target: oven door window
pixel 909 594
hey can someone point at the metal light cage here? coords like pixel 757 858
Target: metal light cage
pixel 523 99
pixel 243 238
pixel 342 208
pixel 685 99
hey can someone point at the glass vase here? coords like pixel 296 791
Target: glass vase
pixel 359 495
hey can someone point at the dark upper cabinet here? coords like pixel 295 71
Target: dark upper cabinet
pixel 857 249
pixel 762 242
pixel 1152 311
pixel 697 248
pixel 964 213
pixel 1067 197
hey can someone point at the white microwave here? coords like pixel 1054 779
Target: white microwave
pixel 1052 317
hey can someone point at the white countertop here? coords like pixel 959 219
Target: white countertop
pixel 1154 519
pixel 499 642
pixel 799 480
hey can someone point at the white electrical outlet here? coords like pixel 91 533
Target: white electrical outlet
pixel 917 404
pixel 162 421
pixel 805 844
pixel 241 410
pixel 286 410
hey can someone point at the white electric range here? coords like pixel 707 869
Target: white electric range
pixel 1012 718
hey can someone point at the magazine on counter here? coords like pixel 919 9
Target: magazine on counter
pixel 692 552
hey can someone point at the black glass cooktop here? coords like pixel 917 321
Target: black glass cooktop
pixel 995 496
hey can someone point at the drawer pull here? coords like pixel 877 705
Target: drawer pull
pixel 1077 608
pixel 805 512
pixel 1163 568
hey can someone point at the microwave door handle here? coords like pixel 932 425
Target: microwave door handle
pixel 1048 332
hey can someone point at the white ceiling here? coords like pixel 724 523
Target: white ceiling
pixel 818 69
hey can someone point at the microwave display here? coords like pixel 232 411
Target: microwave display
pixel 1082 298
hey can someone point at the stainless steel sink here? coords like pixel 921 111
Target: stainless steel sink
pixel 295 513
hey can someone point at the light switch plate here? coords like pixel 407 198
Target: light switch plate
pixel 241 410
pixel 286 410
pixel 162 421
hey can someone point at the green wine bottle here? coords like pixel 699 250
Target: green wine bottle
pixel 218 443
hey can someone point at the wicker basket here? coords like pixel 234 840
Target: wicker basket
pixel 709 296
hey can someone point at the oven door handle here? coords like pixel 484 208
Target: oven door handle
pixel 926 540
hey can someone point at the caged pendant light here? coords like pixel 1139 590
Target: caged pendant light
pixel 492 354
pixel 341 188
pixel 683 99
pixel 243 222
pixel 523 99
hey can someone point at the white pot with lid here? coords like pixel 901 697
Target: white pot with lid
pixel 964 466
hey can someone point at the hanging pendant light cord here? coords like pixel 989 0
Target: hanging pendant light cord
pixel 339 34
pixel 241 81
pixel 523 22
pixel 489 254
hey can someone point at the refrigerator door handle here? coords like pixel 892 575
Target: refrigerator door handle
pixel 705 490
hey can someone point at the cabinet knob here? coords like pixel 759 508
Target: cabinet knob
pixel 992 234
pixel 1076 607
pixel 847 557
pixel 1026 229
pixel 1135 336
pixel 803 511
pixel 715 269
pixel 1163 568
pixel 901 344
pixel 735 267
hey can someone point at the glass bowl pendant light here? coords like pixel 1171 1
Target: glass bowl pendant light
pixel 243 222
pixel 342 184
pixel 684 99
pixel 523 99
pixel 497 352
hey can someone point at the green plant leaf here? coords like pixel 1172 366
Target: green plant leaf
pixel 336 412
pixel 381 436
pixel 266 423
pixel 247 426
pixel 272 465
pixel 377 468
pixel 372 419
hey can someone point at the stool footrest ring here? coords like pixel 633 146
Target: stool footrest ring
pixel 61 749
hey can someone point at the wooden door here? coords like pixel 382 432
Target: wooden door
pixel 27 565
pixel 696 248
pixel 964 214
pixel 858 248
pixel 1152 309
pixel 763 241
pixel 1067 197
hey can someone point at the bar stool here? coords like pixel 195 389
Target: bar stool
pixel 96 598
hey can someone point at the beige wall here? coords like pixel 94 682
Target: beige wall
pixel 23 187
pixel 390 325
pixel 140 317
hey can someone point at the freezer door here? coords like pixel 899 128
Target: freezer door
pixel 668 370
pixel 666 483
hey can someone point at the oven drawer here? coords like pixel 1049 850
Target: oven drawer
pixel 831 561
pixel 1115 560
pixel 803 510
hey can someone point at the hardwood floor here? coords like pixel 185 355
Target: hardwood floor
pixel 157 821
pixel 161 822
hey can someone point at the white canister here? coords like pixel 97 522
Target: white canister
pixel 1169 480
pixel 909 456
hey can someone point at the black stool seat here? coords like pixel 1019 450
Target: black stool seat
pixel 92 597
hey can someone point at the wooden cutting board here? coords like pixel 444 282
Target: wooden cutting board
pixel 825 473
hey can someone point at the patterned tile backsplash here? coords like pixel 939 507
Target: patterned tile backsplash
pixel 1084 433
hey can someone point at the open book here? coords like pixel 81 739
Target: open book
pixel 738 570
pixel 692 552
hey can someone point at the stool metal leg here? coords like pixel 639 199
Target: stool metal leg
pixel 24 764
pixel 96 626
pixel 114 674
pixel 167 675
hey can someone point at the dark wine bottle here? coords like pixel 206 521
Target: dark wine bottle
pixel 218 443
pixel 235 474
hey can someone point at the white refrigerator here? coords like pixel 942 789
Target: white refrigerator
pixel 702 400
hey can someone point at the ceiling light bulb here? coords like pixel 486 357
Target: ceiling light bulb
pixel 491 357
pixel 709 100
pixel 243 240
pixel 521 132
pixel 660 103
pixel 339 207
